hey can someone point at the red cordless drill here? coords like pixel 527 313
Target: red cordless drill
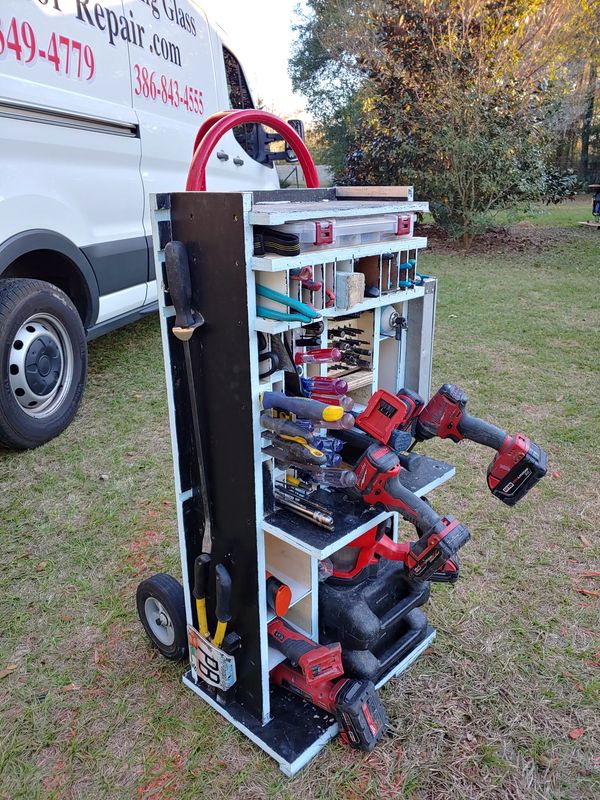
pixel 441 537
pixel 519 463
pixel 355 704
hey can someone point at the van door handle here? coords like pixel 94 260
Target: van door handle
pixel 222 156
pixel 238 161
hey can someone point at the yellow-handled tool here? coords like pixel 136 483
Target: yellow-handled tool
pixel 201 568
pixel 223 604
pixel 223 600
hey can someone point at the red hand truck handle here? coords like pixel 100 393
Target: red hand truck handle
pixel 218 124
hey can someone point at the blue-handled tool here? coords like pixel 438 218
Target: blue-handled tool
pixel 304 313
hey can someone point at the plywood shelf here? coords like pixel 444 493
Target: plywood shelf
pixel 324 255
pixel 356 380
pixel 280 213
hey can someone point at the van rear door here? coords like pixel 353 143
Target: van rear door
pixel 173 90
pixel 69 139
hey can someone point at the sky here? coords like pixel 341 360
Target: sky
pixel 261 36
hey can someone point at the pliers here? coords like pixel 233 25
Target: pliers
pixel 305 313
pixel 305 276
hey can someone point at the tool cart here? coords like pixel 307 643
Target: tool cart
pixel 271 302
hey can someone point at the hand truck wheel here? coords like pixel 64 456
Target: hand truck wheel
pixel 161 609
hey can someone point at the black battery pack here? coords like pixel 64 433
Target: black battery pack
pixel 513 486
pixel 360 714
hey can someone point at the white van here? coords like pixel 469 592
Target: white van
pixel 99 106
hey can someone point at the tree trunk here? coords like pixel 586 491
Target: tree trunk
pixel 587 124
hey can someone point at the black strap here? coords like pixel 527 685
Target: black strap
pixel 267 240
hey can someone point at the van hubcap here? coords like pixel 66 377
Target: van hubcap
pixel 40 365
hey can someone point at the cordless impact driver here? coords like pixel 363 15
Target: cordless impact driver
pixel 433 555
pixel 519 463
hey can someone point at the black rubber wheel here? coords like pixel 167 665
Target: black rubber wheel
pixel 43 362
pixel 161 608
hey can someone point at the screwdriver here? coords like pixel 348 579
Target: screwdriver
pixel 284 427
pixel 328 384
pixel 187 320
pixel 301 406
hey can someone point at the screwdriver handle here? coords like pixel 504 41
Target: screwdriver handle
pixel 301 406
pixel 180 289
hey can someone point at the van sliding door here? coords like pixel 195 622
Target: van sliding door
pixel 69 139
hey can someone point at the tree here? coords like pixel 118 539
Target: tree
pixel 450 95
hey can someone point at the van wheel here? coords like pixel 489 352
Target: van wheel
pixel 43 362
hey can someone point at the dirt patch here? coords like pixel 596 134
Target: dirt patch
pixel 507 239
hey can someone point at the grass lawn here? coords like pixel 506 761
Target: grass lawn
pixel 504 705
pixel 564 214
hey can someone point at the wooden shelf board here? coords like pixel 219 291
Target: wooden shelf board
pixel 329 254
pixel 356 380
pixel 276 326
pixel 275 657
pixel 373 302
pixel 280 213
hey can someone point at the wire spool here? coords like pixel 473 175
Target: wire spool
pixel 389 315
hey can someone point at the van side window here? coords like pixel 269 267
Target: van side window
pixel 239 94
pixel 240 97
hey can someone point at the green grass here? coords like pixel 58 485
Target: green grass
pixel 91 712
pixel 564 214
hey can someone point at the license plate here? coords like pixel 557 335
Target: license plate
pixel 208 663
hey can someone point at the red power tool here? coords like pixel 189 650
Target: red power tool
pixel 519 463
pixel 314 673
pixel 378 484
pixel 387 412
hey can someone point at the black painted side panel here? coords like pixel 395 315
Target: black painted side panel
pixel 211 226
pixel 119 265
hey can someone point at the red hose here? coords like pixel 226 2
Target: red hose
pixel 206 126
pixel 217 125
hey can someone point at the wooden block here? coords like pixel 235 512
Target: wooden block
pixel 369 266
pixel 374 193
pixel 349 289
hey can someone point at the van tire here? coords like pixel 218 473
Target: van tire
pixel 43 362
